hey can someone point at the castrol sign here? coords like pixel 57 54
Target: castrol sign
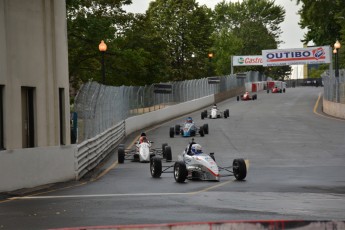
pixel 246 60
pixel 302 56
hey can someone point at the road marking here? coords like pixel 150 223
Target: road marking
pixel 317 105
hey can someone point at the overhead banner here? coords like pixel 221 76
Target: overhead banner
pixel 246 60
pixel 302 56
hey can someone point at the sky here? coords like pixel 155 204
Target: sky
pixel 292 33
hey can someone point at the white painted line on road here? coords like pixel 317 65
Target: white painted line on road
pixel 99 195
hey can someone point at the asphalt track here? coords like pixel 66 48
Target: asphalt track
pixel 296 171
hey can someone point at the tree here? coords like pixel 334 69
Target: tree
pixel 186 29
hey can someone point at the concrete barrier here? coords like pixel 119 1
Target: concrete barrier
pixel 30 167
pixel 139 122
pixel 334 109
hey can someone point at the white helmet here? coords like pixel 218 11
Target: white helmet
pixel 196 149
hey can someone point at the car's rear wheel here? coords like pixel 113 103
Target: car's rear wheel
pixel 202 115
pixel 177 129
pixel 121 155
pixel 163 149
pixel 180 171
pixel 239 169
pixel 227 113
pixel 171 132
pixel 156 167
pixel 201 131
pixel 205 127
pixel 168 154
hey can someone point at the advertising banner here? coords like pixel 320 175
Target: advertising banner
pixel 302 56
pixel 246 60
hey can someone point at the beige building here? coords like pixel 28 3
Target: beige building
pixel 34 94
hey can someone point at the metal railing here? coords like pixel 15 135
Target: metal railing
pixel 334 87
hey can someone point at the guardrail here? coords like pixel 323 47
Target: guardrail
pixel 92 151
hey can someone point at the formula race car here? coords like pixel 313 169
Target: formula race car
pixel 246 97
pixel 215 113
pixel 276 90
pixel 143 151
pixel 193 164
pixel 188 129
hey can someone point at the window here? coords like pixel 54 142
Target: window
pixel 2 145
pixel 28 117
pixel 62 120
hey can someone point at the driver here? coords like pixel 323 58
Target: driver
pixel 189 120
pixel 142 138
pixel 196 149
pixel 214 106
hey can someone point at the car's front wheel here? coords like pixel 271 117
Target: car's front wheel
pixel 239 169
pixel 156 167
pixel 180 171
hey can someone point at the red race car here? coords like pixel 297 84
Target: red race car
pixel 247 97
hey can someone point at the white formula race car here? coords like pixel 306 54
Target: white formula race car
pixel 215 113
pixel 142 152
pixel 199 166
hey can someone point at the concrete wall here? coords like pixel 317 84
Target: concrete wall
pixel 33 53
pixel 27 168
pixel 149 119
pixel 334 109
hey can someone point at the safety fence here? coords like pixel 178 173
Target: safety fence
pixel 334 87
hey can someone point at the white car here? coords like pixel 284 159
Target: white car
pixel 198 167
pixel 215 113
pixel 142 152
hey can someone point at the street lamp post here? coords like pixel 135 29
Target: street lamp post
pixel 337 46
pixel 102 48
pixel 210 56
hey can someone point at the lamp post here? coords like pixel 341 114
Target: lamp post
pixel 337 46
pixel 102 48
pixel 210 56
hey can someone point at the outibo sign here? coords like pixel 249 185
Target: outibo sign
pixel 310 55
pixel 246 60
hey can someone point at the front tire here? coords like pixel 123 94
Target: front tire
pixel 205 128
pixel 180 171
pixel 156 167
pixel 201 131
pixel 239 169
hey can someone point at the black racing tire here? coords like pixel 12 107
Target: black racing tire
pixel 177 129
pixel 171 132
pixel 284 90
pixel 121 155
pixel 202 116
pixel 156 167
pixel 168 154
pixel 227 113
pixel 268 91
pixel 238 98
pixel 205 113
pixel 201 131
pixel 180 171
pixel 205 128
pixel 239 168
pixel 255 97
pixel 163 149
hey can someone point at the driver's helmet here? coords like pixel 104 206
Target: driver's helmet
pixel 247 92
pixel 196 149
pixel 189 120
pixel 143 139
pixel 214 106
pixel 143 134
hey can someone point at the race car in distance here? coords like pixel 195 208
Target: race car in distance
pixel 143 151
pixel 246 97
pixel 276 86
pixel 193 164
pixel 188 129
pixel 215 113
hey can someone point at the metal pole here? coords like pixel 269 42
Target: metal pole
pixel 103 68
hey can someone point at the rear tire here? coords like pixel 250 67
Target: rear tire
pixel 201 131
pixel 171 132
pixel 239 169
pixel 180 171
pixel 238 98
pixel 205 128
pixel 177 129
pixel 163 149
pixel 156 167
pixel 227 113
pixel 121 155
pixel 168 154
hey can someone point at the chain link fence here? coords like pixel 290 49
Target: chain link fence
pixel 99 107
pixel 334 87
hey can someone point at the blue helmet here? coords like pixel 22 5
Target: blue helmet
pixel 189 120
pixel 196 149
